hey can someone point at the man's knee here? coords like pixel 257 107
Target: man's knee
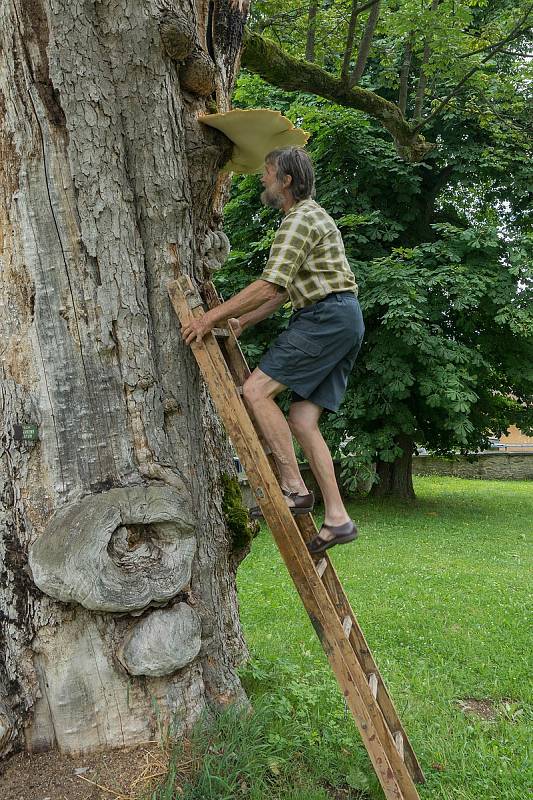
pixel 259 387
pixel 251 392
pixel 302 422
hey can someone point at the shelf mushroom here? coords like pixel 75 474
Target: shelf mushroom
pixel 254 133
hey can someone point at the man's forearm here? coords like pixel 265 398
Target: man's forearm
pixel 252 297
pixel 264 311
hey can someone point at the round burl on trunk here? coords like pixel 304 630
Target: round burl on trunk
pixel 162 642
pixel 117 551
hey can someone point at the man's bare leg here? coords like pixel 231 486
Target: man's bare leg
pixel 303 422
pixel 259 392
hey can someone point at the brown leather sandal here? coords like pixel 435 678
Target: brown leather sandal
pixel 344 533
pixel 303 504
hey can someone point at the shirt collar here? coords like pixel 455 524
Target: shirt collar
pixel 297 205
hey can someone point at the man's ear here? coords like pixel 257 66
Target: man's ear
pixel 287 180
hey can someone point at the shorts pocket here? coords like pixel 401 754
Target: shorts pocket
pixel 304 343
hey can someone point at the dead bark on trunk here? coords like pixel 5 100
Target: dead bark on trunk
pixel 117 493
pixel 395 478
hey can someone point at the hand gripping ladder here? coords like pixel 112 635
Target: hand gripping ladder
pixel 224 370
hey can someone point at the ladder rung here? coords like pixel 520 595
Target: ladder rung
pixel 321 566
pixel 398 741
pixel 220 333
pixel 373 683
pixel 347 626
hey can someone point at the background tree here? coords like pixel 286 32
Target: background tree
pixel 458 73
pixel 443 259
pixel 403 64
pixel 108 185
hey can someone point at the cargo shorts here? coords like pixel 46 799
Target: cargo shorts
pixel 316 353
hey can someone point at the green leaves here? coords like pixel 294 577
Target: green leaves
pixel 446 285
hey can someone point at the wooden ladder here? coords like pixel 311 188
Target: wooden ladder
pixel 224 370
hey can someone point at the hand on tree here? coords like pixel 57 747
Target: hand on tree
pixel 196 329
pixel 235 326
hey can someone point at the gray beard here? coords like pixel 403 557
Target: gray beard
pixel 272 199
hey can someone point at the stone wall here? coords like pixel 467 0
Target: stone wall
pixel 310 482
pixel 490 466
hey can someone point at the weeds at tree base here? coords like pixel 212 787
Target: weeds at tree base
pixel 264 754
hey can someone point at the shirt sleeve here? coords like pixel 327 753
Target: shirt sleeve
pixel 294 240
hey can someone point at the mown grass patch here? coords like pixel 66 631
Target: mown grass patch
pixel 440 589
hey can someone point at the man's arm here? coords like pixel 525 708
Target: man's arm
pixel 264 311
pixel 250 298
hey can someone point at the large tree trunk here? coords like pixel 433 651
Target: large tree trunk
pixel 395 477
pixel 116 494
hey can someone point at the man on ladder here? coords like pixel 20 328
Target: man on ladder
pixel 316 353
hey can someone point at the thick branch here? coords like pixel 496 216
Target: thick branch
pixel 311 30
pixel 349 41
pixel 280 69
pixel 364 45
pixel 404 74
pixel 422 79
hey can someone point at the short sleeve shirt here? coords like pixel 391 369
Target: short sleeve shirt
pixel 307 256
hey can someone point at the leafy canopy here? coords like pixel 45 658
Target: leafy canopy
pixel 443 261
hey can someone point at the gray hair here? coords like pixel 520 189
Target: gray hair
pixel 295 162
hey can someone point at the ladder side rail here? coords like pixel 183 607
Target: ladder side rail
pixel 364 654
pixel 377 737
pixel 240 371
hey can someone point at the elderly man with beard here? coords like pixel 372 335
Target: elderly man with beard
pixel 315 355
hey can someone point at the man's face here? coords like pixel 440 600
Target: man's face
pixel 273 190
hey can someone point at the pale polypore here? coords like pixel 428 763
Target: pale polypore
pixel 254 133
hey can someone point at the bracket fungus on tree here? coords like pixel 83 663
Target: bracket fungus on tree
pixel 121 550
pixel 254 133
pixel 162 642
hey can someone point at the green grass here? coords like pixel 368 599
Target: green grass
pixel 440 589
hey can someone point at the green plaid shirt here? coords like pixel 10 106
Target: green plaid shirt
pixel 307 256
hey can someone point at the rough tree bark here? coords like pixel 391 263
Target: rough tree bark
pixel 117 492
pixel 395 477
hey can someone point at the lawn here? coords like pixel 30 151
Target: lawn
pixel 440 589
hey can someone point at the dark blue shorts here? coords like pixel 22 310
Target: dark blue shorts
pixel 315 355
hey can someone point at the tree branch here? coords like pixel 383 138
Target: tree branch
pixel 348 48
pixel 284 16
pixel 280 69
pixel 516 31
pixel 422 79
pixel 404 74
pixel 366 41
pixel 311 29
